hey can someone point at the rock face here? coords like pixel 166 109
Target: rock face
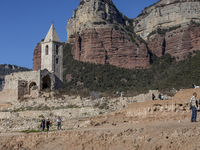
pixel 165 14
pixel 177 42
pixel 108 46
pixel 37 58
pixel 92 14
pixel 100 35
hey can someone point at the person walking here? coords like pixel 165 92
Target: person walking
pixel 59 123
pixel 194 106
pixel 48 124
pixel 43 124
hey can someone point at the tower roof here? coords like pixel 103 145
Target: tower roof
pixel 52 35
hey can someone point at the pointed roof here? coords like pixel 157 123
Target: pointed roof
pixel 52 35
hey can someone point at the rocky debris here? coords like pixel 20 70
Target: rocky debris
pixel 159 135
pixel 26 114
pixel 37 58
pixel 142 125
pixel 149 111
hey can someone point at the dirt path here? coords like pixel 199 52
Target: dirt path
pixel 156 135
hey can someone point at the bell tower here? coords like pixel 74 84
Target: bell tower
pixel 52 54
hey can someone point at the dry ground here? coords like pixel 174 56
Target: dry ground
pixel 162 135
pixel 152 125
pixel 132 134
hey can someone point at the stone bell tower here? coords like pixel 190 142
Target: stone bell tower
pixel 52 54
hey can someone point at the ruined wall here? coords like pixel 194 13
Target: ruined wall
pixel 46 79
pixel 37 58
pixel 17 85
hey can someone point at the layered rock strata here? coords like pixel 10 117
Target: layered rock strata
pixel 98 33
pixel 177 42
pixel 108 46
pixel 165 14
pixel 92 14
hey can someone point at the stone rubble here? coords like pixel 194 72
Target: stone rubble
pixel 27 114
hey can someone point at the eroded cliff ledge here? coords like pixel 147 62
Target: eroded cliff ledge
pixel 165 14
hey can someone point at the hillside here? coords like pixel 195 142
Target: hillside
pixel 165 73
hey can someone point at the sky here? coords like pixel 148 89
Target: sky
pixel 23 23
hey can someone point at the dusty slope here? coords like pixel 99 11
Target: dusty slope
pixel 185 95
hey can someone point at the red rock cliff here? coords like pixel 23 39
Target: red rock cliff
pixel 109 46
pixel 177 42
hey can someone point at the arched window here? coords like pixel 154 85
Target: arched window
pixel 47 50
pixel 56 49
pixel 56 60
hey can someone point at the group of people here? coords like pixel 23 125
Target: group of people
pixel 48 123
pixel 160 97
pixel 194 86
pixel 117 93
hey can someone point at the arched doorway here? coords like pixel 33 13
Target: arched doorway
pixel 46 82
pixel 32 86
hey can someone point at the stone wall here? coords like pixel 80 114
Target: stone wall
pixel 18 84
pixel 11 81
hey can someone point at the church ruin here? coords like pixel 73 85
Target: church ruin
pixel 47 71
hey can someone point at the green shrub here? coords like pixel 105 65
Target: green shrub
pixel 164 73
pixel 163 31
pixel 116 27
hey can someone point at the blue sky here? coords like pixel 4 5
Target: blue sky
pixel 23 23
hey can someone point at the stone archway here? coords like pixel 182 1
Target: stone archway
pixel 46 82
pixel 31 86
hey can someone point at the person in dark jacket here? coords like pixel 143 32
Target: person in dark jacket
pixel 48 124
pixel 43 124
pixel 153 96
pixel 159 96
